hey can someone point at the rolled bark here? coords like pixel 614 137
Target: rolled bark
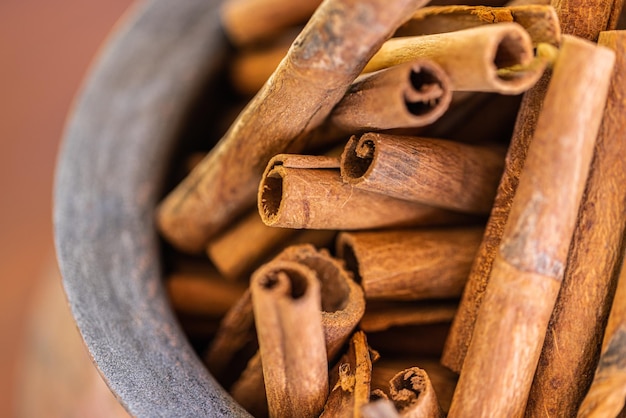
pixel 196 294
pixel 314 198
pixel 408 95
pixel 529 266
pixel 343 305
pixel 382 316
pixel 352 390
pixel 250 21
pixel 413 394
pixel 323 61
pixel 286 300
pixel 412 264
pixel 434 172
pixel 492 58
pixel 607 393
pixel 584 18
pixel 563 375
pixel 540 21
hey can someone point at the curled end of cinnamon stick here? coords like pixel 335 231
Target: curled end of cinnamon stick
pixel 411 390
pixel 271 195
pixel 429 91
pixel 515 68
pixel 357 158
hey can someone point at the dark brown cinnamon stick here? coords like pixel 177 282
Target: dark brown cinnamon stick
pixel 435 172
pixel 318 199
pixel 528 269
pixel 576 19
pixel 352 389
pixel 286 300
pixel 410 264
pixel 607 394
pixel 324 60
pixel 572 347
pixel 382 316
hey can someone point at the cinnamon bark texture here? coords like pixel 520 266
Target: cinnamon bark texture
pixel 352 389
pixel 343 305
pixel 572 346
pixel 324 60
pixel 607 393
pixel 286 300
pixel 249 21
pixel 413 394
pixel 528 269
pixel 443 380
pixel 382 316
pixel 404 96
pixel 540 21
pixel 493 58
pixel 411 264
pixel 203 295
pixel 294 197
pixel 577 18
pixel 435 172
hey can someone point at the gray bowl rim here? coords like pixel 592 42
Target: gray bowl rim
pixel 110 171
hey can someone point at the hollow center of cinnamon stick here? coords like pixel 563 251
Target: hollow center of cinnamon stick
pixel 359 157
pixel 510 52
pixel 272 193
pixel 427 91
pixel 296 282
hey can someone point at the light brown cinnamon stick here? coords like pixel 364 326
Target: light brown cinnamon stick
pixel 540 21
pixel 576 19
pixel 318 199
pixel 197 294
pixel 572 346
pixel 324 60
pixel 380 408
pixel 250 21
pixel 352 389
pixel 528 269
pixel 607 394
pixel 286 301
pixel 382 316
pixel 410 264
pixel 408 95
pixel 413 395
pixel 497 57
pixel 435 172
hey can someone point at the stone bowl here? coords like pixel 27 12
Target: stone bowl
pixel 110 175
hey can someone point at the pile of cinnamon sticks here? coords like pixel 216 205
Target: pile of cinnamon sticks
pixel 394 230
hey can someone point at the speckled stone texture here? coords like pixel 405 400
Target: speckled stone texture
pixel 110 173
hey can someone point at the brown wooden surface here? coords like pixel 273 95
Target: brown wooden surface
pixel 45 49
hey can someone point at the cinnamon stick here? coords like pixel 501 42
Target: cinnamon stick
pixel 410 264
pixel 408 95
pixel 443 380
pixel 203 295
pixel 323 61
pixel 492 58
pixel 435 172
pixel 382 316
pixel 577 19
pixel 343 305
pixel 295 197
pixel 352 389
pixel 564 375
pixel 287 312
pixel 607 394
pixel 413 395
pixel 528 268
pixel 250 21
pixel 540 21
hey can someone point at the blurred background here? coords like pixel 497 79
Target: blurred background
pixel 46 48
